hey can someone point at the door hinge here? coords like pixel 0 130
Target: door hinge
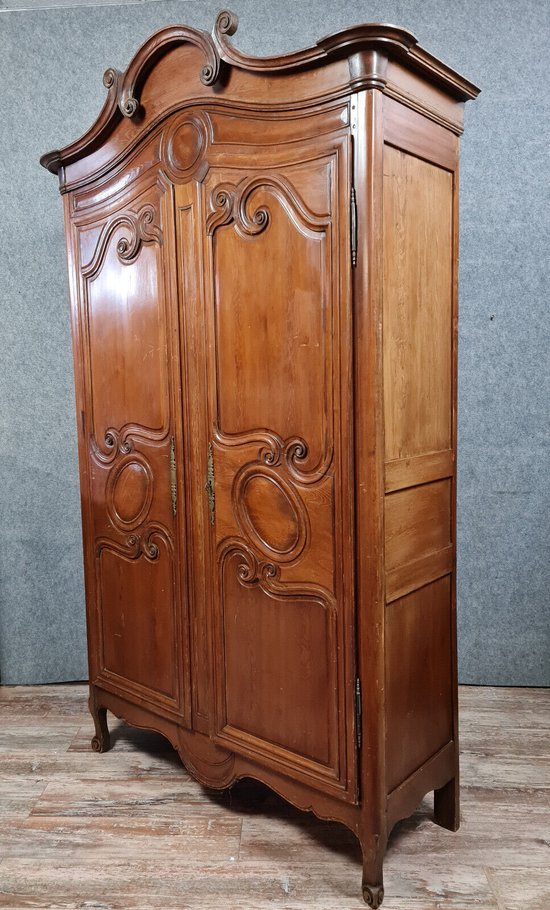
pixel 353 226
pixel 209 485
pixel 173 476
pixel 358 712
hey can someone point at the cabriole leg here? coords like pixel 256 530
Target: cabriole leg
pixel 447 805
pixel 373 876
pixel 101 741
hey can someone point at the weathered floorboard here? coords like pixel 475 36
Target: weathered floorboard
pixel 130 830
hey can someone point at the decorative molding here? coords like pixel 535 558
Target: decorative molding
pixel 232 203
pixel 137 545
pixel 129 84
pixel 183 148
pixel 140 510
pixel 273 451
pixel 121 442
pixel 390 39
pixel 254 570
pixel 142 228
pixel 297 530
pixel 371 40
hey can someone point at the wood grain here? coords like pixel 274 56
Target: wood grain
pixel 262 264
pixel 418 688
pixel 70 839
pixel 418 209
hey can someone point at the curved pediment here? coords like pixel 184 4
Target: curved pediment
pixel 367 49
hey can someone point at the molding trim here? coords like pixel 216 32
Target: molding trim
pixel 368 47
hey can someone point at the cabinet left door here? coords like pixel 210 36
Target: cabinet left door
pixel 125 338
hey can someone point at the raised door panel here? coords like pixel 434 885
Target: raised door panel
pixel 126 332
pixel 279 330
pixel 418 312
pixel 419 699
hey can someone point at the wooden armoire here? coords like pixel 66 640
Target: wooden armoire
pixel 263 278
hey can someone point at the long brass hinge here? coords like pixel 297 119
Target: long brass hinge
pixel 353 226
pixel 173 476
pixel 358 712
pixel 210 483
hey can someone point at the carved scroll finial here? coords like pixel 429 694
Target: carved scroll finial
pixel 226 23
pixel 111 77
pixel 128 106
pixel 127 86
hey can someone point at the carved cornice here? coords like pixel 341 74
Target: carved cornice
pixel 367 48
pixel 341 44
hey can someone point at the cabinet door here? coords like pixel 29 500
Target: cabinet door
pixel 279 457
pixel 125 341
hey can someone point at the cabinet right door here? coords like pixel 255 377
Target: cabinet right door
pixel 277 299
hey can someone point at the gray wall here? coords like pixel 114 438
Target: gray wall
pixel 51 64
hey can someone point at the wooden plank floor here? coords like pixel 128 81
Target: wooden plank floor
pixel 130 830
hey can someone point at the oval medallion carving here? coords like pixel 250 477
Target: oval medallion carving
pixel 270 513
pixel 184 146
pixel 129 492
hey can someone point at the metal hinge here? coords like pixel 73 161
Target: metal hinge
pixel 358 712
pixel 209 485
pixel 353 226
pixel 173 476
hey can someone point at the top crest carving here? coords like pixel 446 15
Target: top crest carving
pixel 375 43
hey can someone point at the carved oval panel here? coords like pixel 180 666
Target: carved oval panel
pixel 270 513
pixel 129 492
pixel 184 146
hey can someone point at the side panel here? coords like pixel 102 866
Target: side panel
pixel 125 336
pixel 419 341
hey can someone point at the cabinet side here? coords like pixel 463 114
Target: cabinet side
pixel 420 181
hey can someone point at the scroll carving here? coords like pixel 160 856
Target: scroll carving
pixel 136 545
pixel 253 570
pixel 141 227
pixel 273 451
pixel 128 85
pixel 226 23
pixel 142 230
pixel 233 202
pixel 121 442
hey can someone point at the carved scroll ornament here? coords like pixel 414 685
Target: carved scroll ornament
pixel 136 545
pixel 254 570
pixel 141 227
pixel 233 202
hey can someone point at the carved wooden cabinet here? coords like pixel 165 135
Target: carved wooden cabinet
pixel 263 275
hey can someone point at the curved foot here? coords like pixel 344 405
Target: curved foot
pixel 373 895
pixel 101 742
pixel 373 847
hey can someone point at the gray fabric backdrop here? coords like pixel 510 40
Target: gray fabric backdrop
pixel 51 65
